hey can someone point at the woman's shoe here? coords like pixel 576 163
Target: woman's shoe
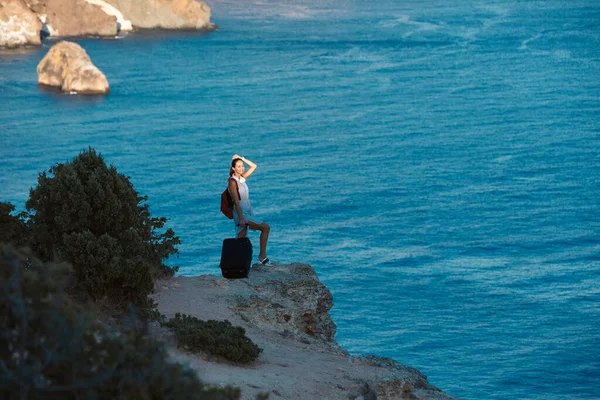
pixel 265 261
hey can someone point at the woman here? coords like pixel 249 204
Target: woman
pixel 242 210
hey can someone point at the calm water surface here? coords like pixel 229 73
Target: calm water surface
pixel 438 164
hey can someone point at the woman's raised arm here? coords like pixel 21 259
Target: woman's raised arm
pixel 251 165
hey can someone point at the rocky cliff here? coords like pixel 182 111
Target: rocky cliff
pixel 285 310
pixel 69 18
pixel 19 26
pixel 165 14
pixel 22 22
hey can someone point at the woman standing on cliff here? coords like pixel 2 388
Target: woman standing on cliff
pixel 242 210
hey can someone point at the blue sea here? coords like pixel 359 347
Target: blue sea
pixel 436 162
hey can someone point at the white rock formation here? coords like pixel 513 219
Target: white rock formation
pixel 124 24
pixel 19 26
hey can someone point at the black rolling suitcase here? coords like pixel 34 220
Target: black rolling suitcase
pixel 236 258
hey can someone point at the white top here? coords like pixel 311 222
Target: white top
pixel 244 203
pixel 244 195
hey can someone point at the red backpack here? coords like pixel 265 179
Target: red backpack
pixel 227 201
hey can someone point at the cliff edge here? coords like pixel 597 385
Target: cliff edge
pixel 285 310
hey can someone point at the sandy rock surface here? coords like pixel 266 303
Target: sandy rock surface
pixel 165 14
pixel 123 25
pixel 68 67
pixel 19 26
pixel 284 309
pixel 68 18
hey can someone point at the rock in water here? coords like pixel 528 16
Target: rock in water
pixel 19 26
pixel 68 67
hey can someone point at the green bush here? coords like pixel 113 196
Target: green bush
pixel 219 338
pixel 53 348
pixel 86 213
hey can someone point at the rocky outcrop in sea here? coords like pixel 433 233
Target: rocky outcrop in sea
pixel 284 309
pixel 24 22
pixel 68 67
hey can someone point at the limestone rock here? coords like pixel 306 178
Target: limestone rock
pixel 123 25
pixel 290 299
pixel 19 26
pixel 68 67
pixel 72 18
pixel 406 382
pixel 284 309
pixel 165 14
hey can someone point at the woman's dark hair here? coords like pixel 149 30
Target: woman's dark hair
pixel 235 160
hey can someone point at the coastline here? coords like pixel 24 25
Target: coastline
pixel 284 310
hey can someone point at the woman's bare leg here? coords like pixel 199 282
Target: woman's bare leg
pixel 264 229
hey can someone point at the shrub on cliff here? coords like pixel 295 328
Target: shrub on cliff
pixel 53 348
pixel 86 213
pixel 13 229
pixel 219 338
